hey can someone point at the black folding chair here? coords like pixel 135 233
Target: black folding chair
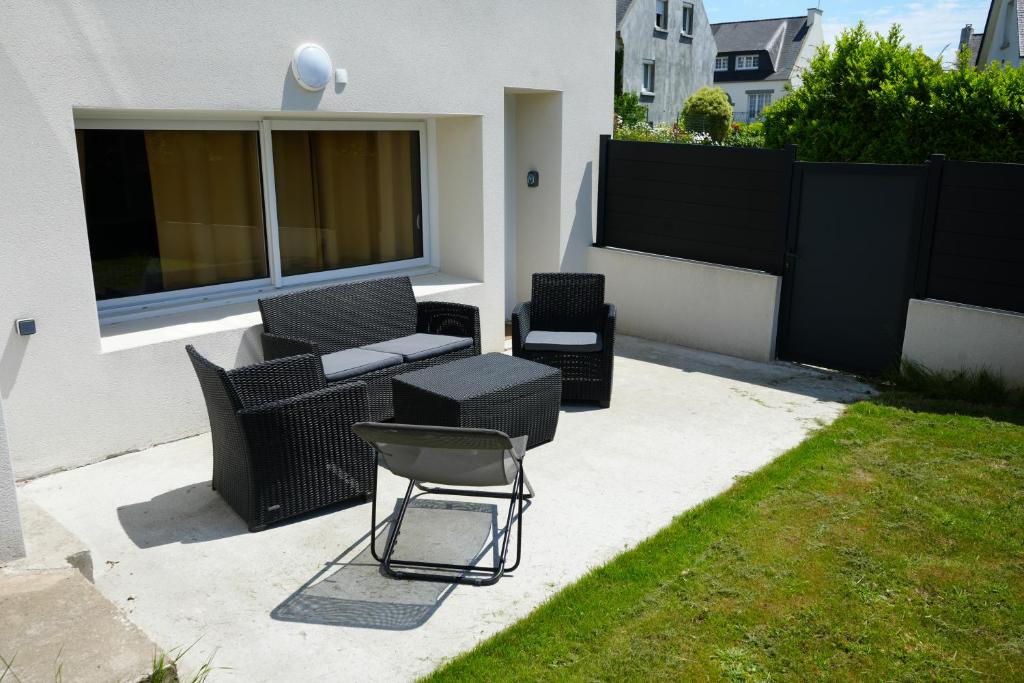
pixel 451 457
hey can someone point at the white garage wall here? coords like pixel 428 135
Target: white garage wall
pixel 703 306
pixel 952 337
pixel 74 396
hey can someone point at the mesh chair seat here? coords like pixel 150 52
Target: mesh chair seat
pixel 449 456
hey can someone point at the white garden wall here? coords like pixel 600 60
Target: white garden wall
pixel 77 392
pixel 951 337
pixel 703 306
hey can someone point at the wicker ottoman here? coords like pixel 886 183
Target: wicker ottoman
pixel 492 391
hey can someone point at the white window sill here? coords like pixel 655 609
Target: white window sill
pixel 647 93
pixel 684 34
pixel 185 325
pixel 660 29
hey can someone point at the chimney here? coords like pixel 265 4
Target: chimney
pixel 966 33
pixel 813 14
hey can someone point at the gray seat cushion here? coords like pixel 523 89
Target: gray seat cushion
pixel 353 362
pixel 542 340
pixel 420 345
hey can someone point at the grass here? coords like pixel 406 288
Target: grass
pixel 888 546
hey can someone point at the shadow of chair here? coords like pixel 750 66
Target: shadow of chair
pixel 194 514
pixel 356 593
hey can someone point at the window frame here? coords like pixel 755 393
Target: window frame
pixel 683 29
pixel 156 303
pixel 755 62
pixel 643 79
pixel 765 96
pixel 725 64
pixel 664 16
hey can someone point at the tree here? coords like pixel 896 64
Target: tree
pixel 707 111
pixel 875 98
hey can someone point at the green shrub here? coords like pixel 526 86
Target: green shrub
pixel 707 111
pixel 746 135
pixel 875 98
pixel 629 110
pixel 643 132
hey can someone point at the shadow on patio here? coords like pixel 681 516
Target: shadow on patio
pixel 356 592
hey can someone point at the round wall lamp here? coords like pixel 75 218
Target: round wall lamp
pixel 311 66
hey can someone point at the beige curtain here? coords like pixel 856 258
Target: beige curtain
pixel 345 198
pixel 208 205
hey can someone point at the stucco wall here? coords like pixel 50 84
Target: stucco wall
pixel 703 306
pixel 1002 41
pixel 682 64
pixel 73 396
pixel 952 337
pixel 12 545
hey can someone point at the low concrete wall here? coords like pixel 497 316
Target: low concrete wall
pixel 12 545
pixel 951 337
pixel 702 306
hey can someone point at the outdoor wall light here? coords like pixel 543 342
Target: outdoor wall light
pixel 26 327
pixel 532 179
pixel 311 67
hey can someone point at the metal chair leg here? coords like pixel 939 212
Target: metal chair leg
pixel 493 574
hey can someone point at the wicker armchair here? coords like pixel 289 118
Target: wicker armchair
pixel 282 438
pixel 357 315
pixel 567 325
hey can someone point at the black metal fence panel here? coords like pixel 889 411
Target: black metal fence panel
pixel 721 205
pixel 977 249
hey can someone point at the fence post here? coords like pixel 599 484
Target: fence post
pixel 786 195
pixel 926 238
pixel 602 187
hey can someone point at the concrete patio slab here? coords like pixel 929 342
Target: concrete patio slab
pixel 304 601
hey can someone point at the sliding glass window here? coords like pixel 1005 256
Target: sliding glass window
pixel 169 210
pixel 210 212
pixel 347 198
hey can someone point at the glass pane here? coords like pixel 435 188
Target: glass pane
pixel 347 198
pixel 170 210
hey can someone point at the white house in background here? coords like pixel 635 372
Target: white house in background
pixel 163 169
pixel 1003 39
pixel 759 60
pixel 664 52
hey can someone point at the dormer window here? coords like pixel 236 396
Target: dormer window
pixel 721 63
pixel 661 15
pixel 687 26
pixel 747 62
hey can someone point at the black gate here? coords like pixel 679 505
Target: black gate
pixel 851 256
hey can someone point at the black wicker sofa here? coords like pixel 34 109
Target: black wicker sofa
pixel 369 331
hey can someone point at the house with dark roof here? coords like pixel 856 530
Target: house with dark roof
pixel 664 52
pixel 1003 39
pixel 758 59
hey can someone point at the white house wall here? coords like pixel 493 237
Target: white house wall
pixel 12 544
pixel 1002 40
pixel 74 396
pixel 739 93
pixel 682 64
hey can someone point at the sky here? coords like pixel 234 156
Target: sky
pixel 933 25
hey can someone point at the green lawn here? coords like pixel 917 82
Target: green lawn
pixel 888 546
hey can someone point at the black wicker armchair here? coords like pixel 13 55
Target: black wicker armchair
pixel 282 438
pixel 370 331
pixel 567 325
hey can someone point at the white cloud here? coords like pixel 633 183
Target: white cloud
pixel 936 27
